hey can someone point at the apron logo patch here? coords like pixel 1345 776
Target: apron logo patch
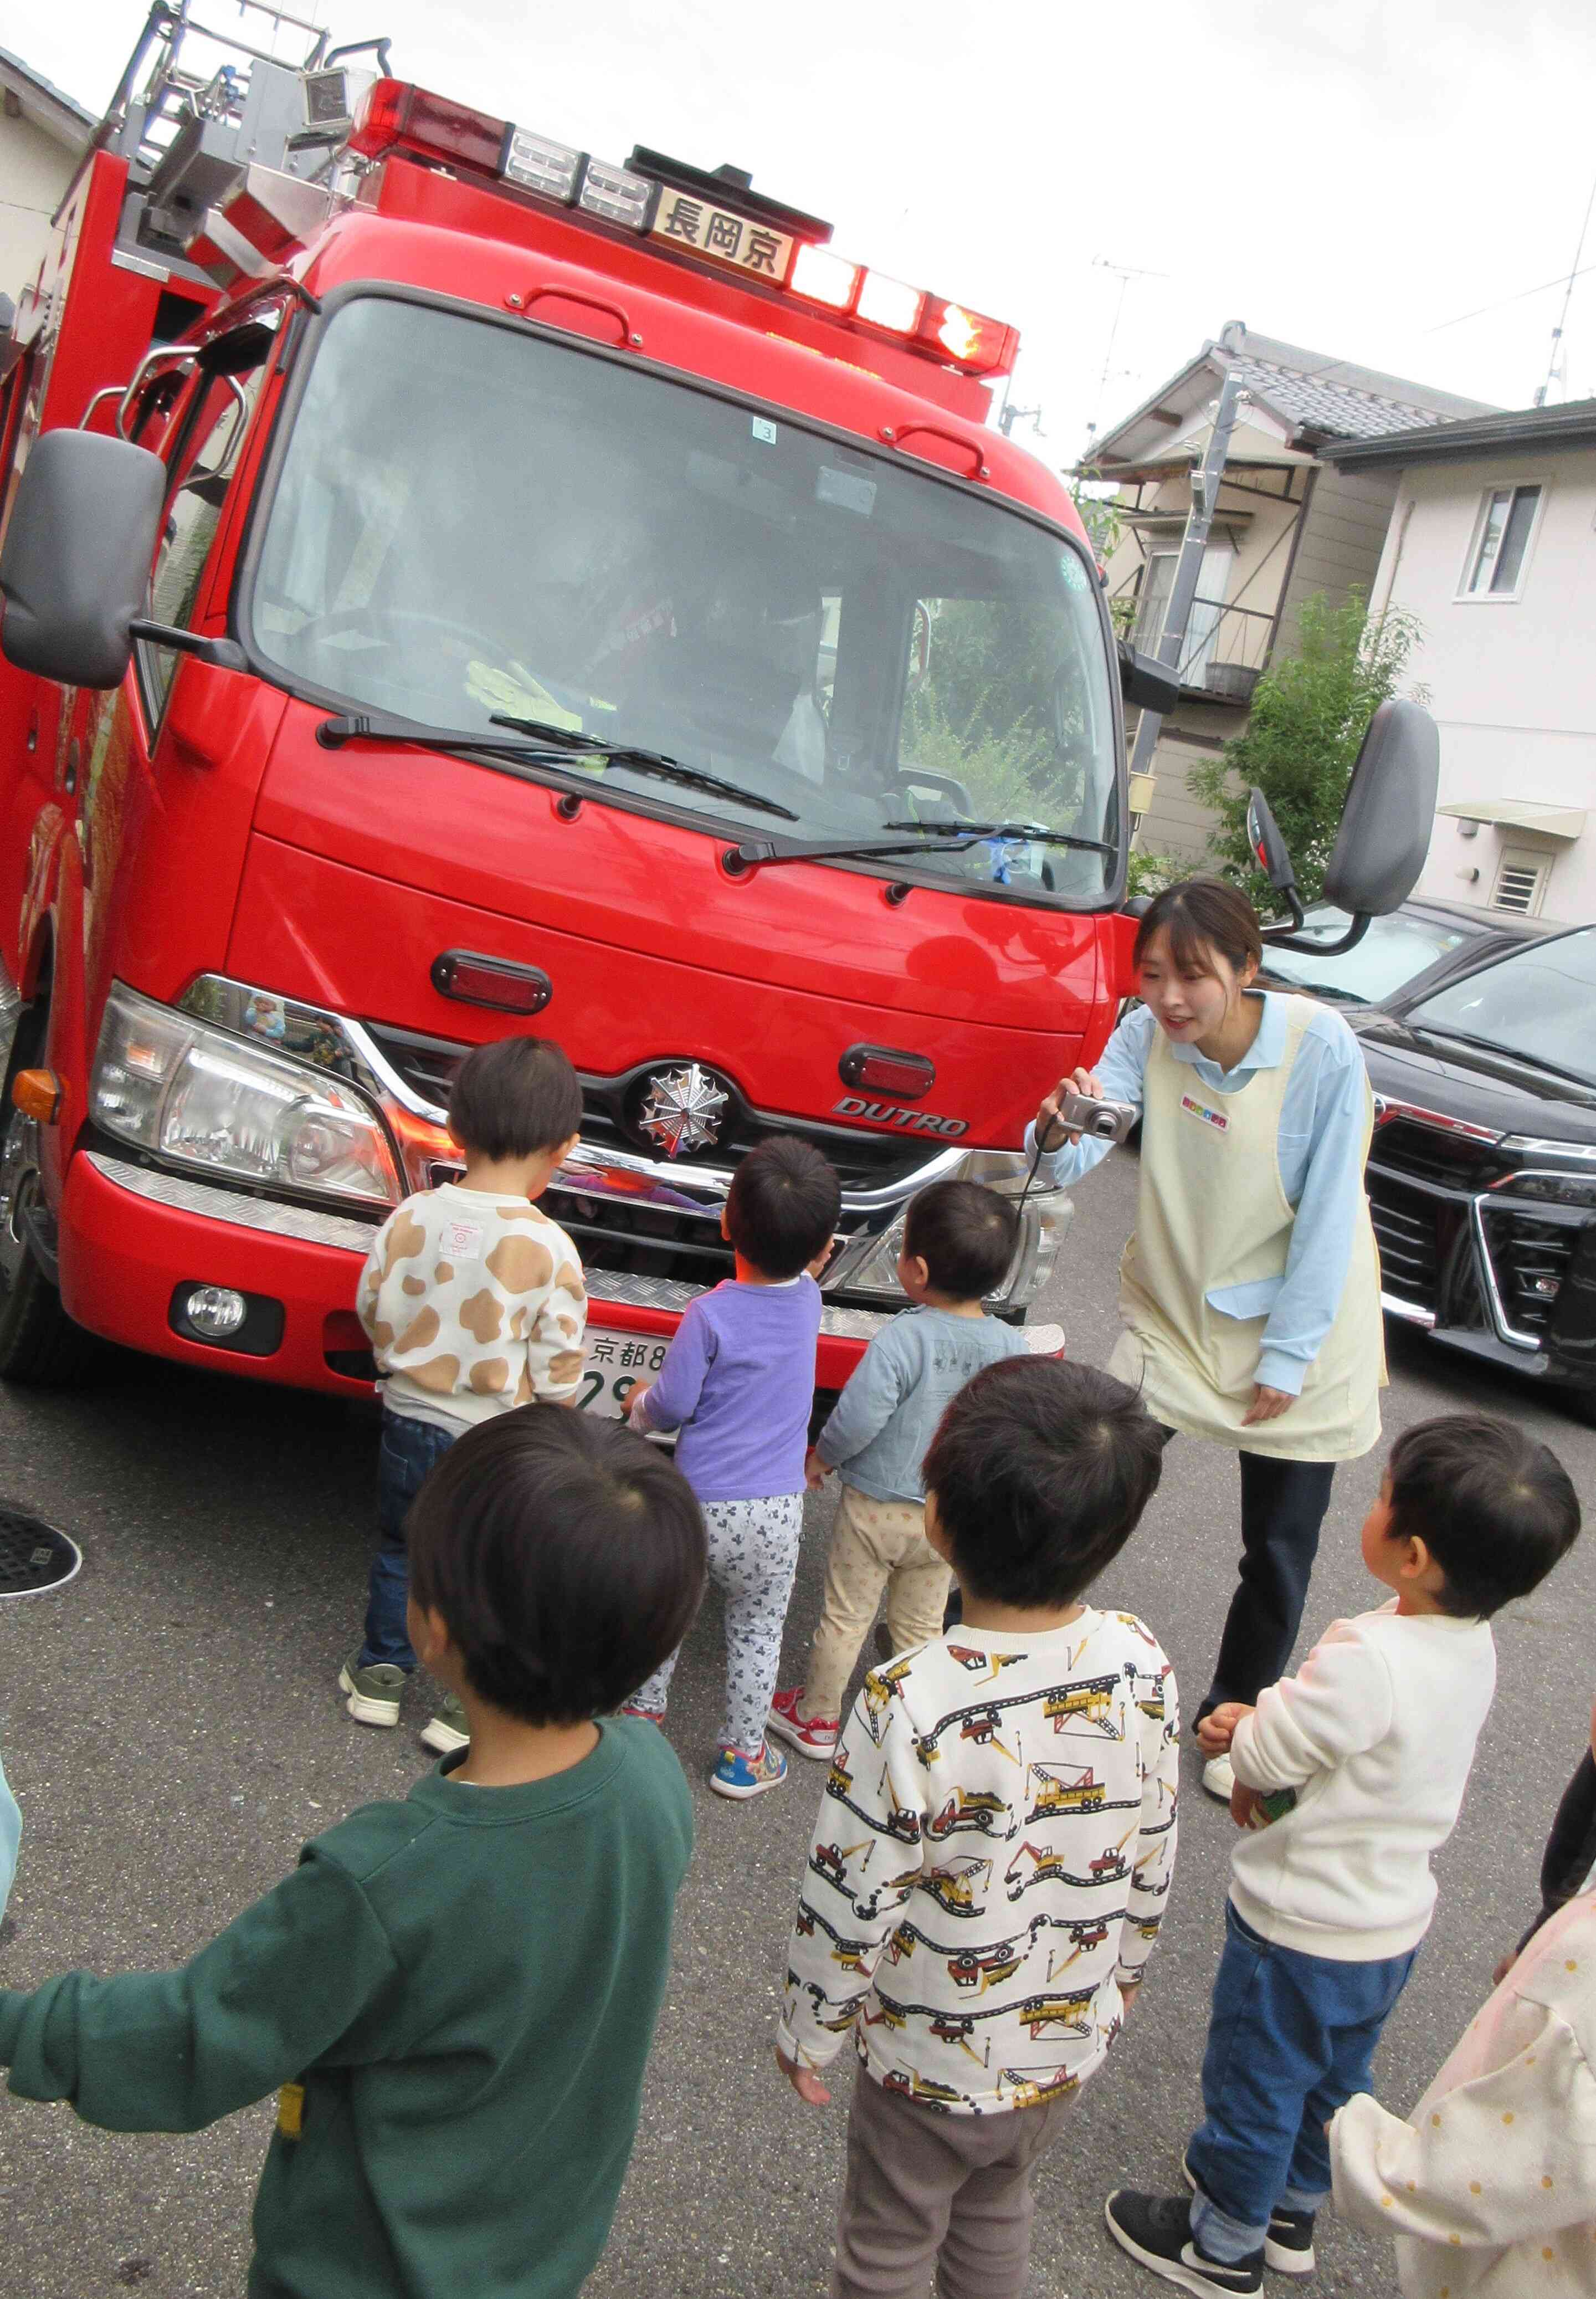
pixel 1214 1117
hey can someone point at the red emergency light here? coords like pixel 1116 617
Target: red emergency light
pixel 394 115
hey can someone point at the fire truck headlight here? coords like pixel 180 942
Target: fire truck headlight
pixel 1045 1215
pixel 197 1096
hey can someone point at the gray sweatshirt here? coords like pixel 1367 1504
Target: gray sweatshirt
pixel 887 1415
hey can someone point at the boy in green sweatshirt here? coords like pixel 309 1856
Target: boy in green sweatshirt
pixel 454 1997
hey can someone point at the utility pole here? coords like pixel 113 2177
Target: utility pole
pixel 1013 415
pixel 1188 567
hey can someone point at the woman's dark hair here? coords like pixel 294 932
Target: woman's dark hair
pixel 515 1098
pixel 782 1206
pixel 964 1234
pixel 565 1555
pixel 1494 1506
pixel 1041 1470
pixel 1201 915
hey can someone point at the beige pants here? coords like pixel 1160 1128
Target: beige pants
pixel 953 2188
pixel 875 1545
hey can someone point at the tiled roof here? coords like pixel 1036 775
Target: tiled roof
pixel 1323 404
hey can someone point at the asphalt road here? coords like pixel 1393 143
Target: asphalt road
pixel 172 1725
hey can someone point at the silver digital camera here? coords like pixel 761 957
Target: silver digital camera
pixel 1098 1121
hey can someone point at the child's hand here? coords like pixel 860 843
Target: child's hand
pixel 804 2081
pixel 1243 1799
pixel 1129 1990
pixel 1216 1730
pixel 815 1471
pixel 813 1268
pixel 637 1411
pixel 1504 1967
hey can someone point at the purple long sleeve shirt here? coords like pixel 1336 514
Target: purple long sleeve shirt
pixel 737 1382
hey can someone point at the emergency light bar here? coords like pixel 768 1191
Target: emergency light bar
pixel 396 115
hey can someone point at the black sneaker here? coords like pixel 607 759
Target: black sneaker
pixel 1157 2229
pixel 1288 2246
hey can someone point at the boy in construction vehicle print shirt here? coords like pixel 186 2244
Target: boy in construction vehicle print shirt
pixel 996 1837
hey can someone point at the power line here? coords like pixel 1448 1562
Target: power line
pixel 1562 279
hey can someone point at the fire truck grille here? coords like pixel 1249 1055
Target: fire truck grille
pixel 864 1161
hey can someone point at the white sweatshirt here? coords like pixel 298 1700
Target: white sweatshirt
pixel 1489 2186
pixel 1376 1734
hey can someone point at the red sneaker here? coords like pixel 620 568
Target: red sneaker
pixel 812 1736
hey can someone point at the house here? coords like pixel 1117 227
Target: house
pixel 43 135
pixel 1287 523
pixel 1492 546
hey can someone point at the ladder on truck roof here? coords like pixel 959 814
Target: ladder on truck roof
pixel 195 106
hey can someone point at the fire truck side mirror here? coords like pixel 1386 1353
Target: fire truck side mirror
pixel 75 568
pixel 1389 812
pixel 1387 822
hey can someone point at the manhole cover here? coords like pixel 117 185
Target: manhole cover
pixel 33 1556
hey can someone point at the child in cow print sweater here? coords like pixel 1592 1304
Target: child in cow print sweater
pixel 474 1303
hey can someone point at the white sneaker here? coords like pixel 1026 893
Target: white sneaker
pixel 1218 1777
pixel 1045 1341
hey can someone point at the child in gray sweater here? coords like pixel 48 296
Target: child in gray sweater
pixel 959 1240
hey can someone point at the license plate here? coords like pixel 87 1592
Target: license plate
pixel 615 1363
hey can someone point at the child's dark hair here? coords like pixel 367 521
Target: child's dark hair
pixel 1201 915
pixel 515 1098
pixel 565 1555
pixel 782 1206
pixel 965 1236
pixel 1040 1470
pixel 1495 1508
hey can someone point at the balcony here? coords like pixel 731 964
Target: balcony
pixel 1226 648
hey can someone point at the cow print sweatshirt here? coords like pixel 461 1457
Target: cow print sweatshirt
pixel 473 1303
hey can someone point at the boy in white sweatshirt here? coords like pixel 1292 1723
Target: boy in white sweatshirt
pixel 1349 1776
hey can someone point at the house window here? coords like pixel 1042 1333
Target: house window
pixel 1521 879
pixel 1500 544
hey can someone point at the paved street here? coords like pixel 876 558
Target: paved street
pixel 171 1726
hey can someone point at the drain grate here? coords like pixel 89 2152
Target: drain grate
pixel 33 1556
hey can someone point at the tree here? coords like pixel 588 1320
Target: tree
pixel 1308 716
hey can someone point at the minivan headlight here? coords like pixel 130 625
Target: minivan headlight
pixel 197 1096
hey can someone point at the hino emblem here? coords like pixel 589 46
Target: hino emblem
pixel 684 1109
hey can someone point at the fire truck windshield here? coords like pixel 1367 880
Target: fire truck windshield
pixel 473 524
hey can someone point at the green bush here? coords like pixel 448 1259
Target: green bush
pixel 1308 716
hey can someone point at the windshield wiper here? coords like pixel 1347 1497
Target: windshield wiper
pixel 360 727
pixel 642 762
pixel 1504 1053
pixel 940 837
pixel 956 826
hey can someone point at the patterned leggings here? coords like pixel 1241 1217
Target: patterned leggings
pixel 753 1556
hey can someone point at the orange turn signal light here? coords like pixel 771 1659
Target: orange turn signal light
pixel 38 1094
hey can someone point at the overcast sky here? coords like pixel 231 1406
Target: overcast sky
pixel 1352 174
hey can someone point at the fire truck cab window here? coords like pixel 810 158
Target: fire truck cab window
pixel 205 454
pixel 472 519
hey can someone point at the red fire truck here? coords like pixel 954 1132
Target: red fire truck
pixel 449 579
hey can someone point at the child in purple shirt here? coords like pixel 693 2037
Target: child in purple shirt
pixel 737 1382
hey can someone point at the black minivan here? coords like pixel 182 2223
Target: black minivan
pixel 1482 1174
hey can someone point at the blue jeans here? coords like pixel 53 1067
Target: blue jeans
pixel 1290 2039
pixel 410 1451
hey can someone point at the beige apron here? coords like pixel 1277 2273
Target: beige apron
pixel 1211 1214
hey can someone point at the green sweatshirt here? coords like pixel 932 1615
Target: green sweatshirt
pixel 466 1987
